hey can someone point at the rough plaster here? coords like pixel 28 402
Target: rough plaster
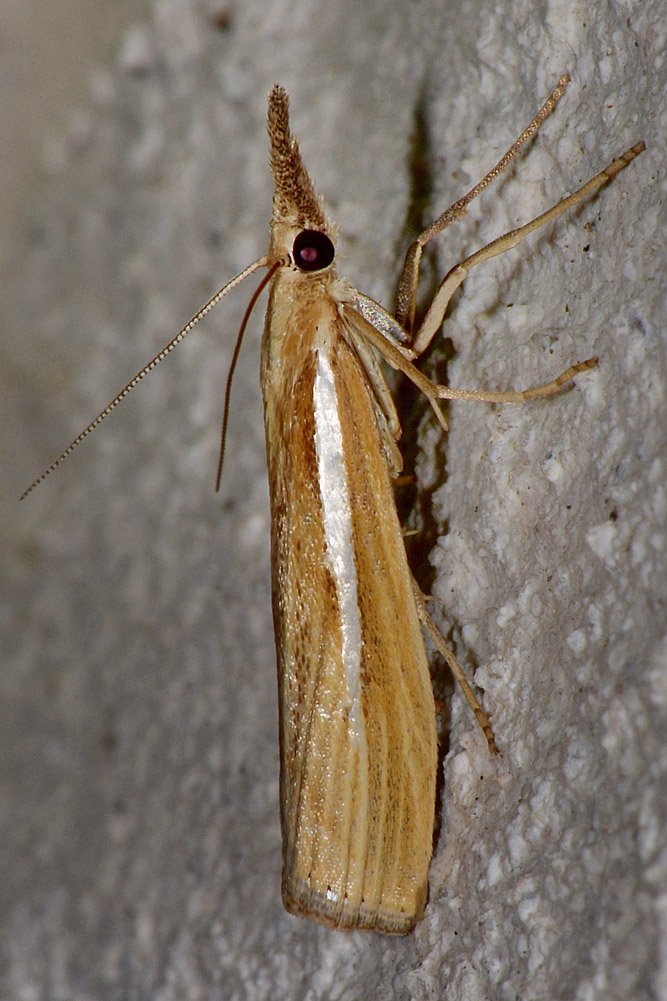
pixel 140 817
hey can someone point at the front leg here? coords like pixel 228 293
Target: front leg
pixel 435 313
pixel 406 300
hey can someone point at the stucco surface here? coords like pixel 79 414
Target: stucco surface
pixel 140 818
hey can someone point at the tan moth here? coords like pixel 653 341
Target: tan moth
pixel 357 717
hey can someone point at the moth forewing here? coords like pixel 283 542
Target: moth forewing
pixel 358 745
pixel 357 717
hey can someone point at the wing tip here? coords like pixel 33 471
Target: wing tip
pixel 343 914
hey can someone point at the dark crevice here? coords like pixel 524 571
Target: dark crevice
pixel 414 503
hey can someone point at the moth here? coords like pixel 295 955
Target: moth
pixel 357 717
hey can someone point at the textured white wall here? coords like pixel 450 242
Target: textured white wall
pixel 140 809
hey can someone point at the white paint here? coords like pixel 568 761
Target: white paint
pixel 577 641
pixel 601 539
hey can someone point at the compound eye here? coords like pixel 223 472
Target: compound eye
pixel 312 250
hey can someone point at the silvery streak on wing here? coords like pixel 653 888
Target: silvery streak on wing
pixel 339 555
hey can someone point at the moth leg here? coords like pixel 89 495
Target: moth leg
pixel 397 356
pixel 437 639
pixel 407 287
pixel 454 278
pixel 399 359
pixel 436 311
pixel 518 395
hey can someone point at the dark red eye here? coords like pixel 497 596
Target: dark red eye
pixel 312 250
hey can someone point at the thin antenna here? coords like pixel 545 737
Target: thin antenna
pixel 167 349
pixel 230 375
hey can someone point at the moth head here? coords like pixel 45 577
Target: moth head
pixel 299 227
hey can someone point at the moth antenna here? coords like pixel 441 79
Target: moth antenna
pixel 167 349
pixel 232 366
